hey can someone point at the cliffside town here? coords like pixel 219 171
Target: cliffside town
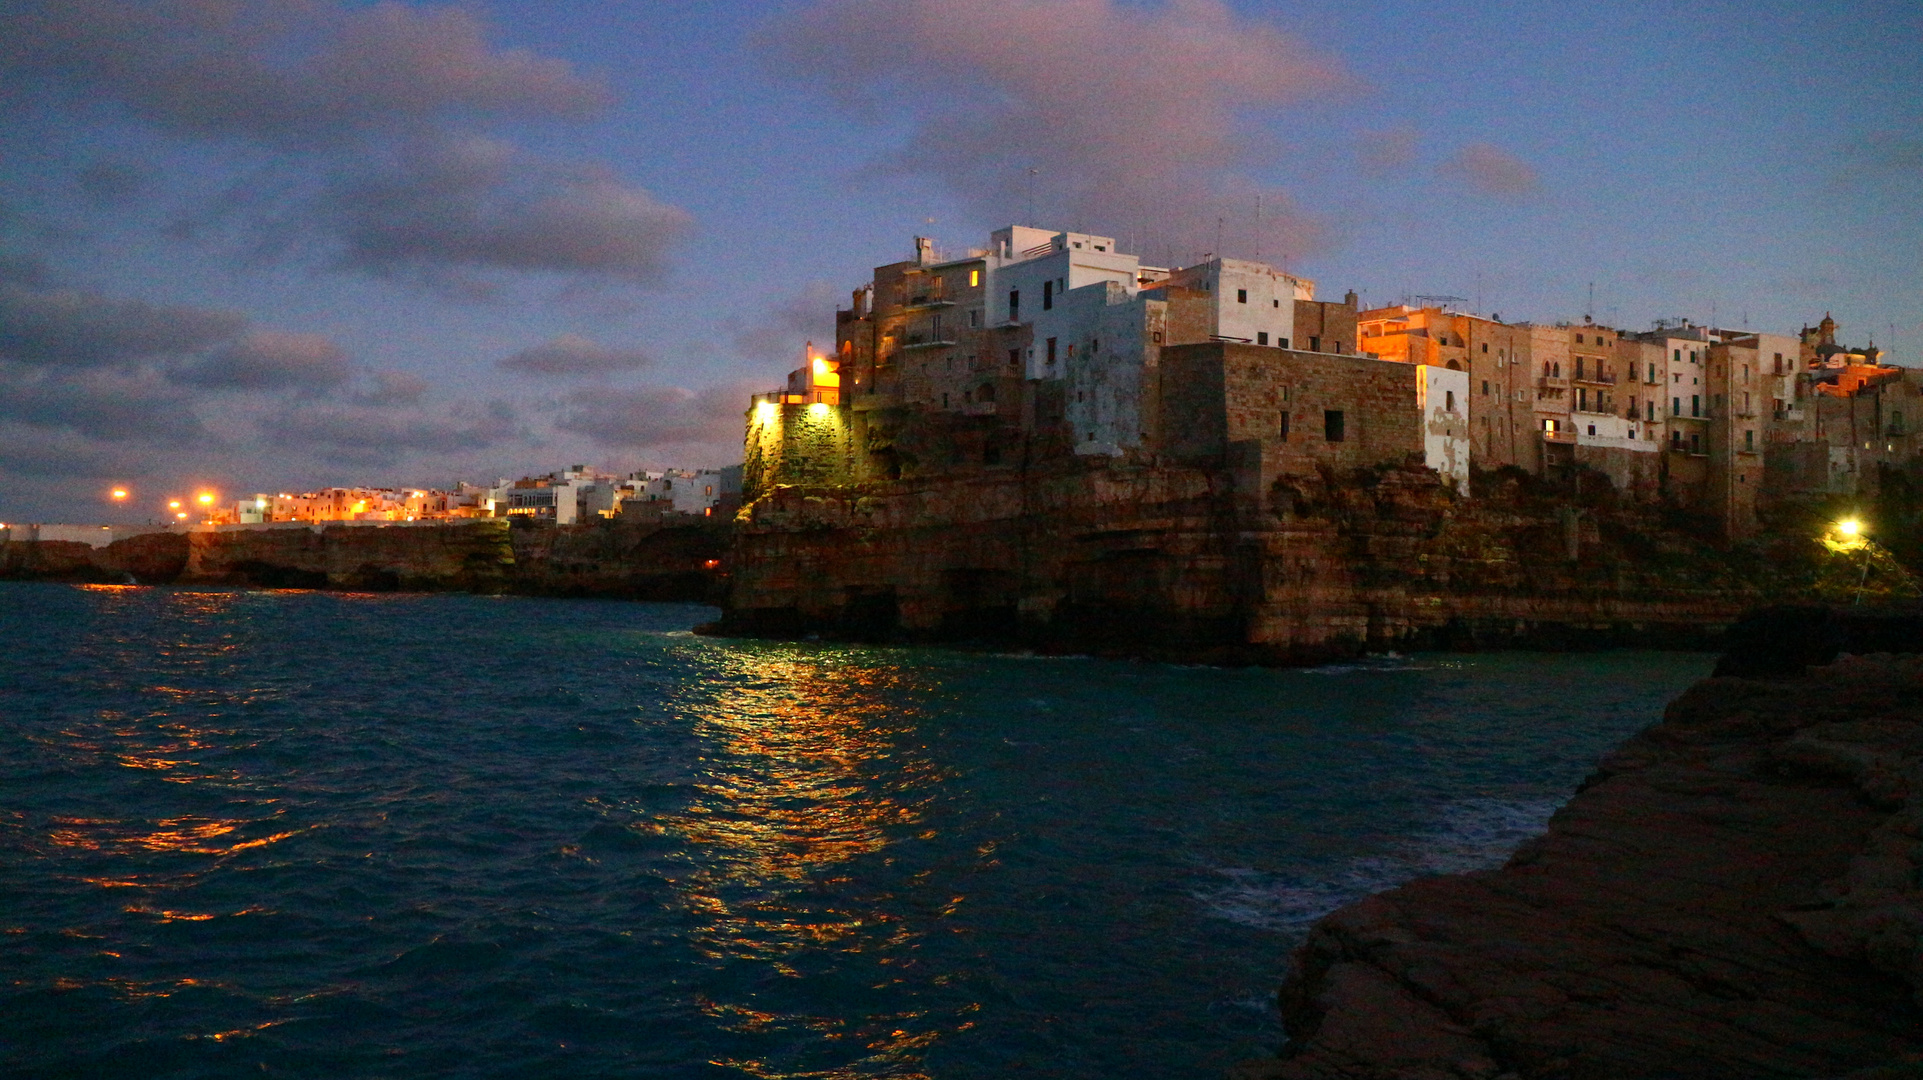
pixel 1048 440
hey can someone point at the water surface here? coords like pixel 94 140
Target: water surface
pixel 305 834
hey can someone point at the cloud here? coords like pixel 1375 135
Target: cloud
pixel 110 406
pixel 364 435
pixel 653 416
pixel 1492 171
pixel 572 355
pixel 392 388
pixel 787 325
pixel 1383 153
pixel 286 72
pixel 476 203
pixel 68 328
pixel 268 360
pixel 1134 118
pixel 370 122
pixel 111 183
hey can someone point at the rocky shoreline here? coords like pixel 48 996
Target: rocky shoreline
pixel 1734 893
pixel 612 559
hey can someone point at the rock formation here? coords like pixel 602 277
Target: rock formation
pixel 1183 563
pixel 1734 893
pixel 649 560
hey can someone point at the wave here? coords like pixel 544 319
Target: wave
pixel 1473 834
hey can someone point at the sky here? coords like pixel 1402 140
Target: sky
pixel 284 244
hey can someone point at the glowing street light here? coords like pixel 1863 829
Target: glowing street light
pixel 1849 526
pixel 119 494
pixel 173 504
pixel 206 498
pixel 182 515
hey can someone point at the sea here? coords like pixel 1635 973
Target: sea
pixel 305 834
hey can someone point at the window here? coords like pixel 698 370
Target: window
pixel 1014 305
pixel 1281 343
pixel 1261 337
pixel 1579 339
pixel 1282 430
pixel 1652 372
pixel 1332 423
pixel 1014 359
pixel 1048 295
pixel 1277 303
pixel 1335 346
pixel 974 278
pixel 1582 399
pixel 1675 406
pixel 1558 367
pixel 1158 337
pixel 1283 392
pixel 1448 401
pixel 1094 345
pixel 1676 355
pixel 1579 364
pixel 1749 440
pixel 1485 388
pixel 1592 429
pixel 974 318
pixel 1051 350
pixel 1649 410
pixel 1241 296
pixel 1315 344
pixel 1485 346
pixel 1695 405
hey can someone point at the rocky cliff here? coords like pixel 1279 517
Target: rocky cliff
pixel 1185 563
pixel 650 560
pixel 1734 893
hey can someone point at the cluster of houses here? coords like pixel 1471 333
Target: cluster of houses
pixel 564 497
pixel 1057 342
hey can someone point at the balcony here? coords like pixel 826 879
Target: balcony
pixel 1596 379
pixel 1559 437
pixel 932 300
pixel 914 342
pixel 824 395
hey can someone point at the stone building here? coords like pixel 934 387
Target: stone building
pixel 1058 344
pixel 1041 338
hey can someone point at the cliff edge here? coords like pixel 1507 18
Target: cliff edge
pixel 1733 893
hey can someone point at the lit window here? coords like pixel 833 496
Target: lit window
pixel 974 278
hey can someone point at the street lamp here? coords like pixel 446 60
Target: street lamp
pixel 118 494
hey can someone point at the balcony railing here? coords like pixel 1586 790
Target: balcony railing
pixel 1559 436
pixel 936 344
pixel 1598 378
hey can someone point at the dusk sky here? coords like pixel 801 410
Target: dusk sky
pixel 285 244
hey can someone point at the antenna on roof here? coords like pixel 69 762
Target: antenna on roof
pixel 1589 312
pixel 1032 173
pixel 1258 227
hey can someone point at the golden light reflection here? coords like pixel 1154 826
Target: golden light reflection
pixel 812 766
pixel 196 836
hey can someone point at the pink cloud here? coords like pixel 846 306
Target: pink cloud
pixel 1137 120
pixel 1493 171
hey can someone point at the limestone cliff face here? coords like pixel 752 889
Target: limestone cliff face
pixel 1170 561
pixel 1733 894
pixel 471 555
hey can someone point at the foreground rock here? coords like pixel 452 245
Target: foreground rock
pixel 1732 894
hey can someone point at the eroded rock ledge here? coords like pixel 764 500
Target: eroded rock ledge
pixel 1734 893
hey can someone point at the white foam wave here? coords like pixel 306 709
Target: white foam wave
pixel 1473 834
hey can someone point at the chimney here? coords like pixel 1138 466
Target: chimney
pixel 924 250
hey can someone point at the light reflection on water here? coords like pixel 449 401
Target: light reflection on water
pixel 447 836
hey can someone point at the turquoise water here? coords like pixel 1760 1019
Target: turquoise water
pixel 306 834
